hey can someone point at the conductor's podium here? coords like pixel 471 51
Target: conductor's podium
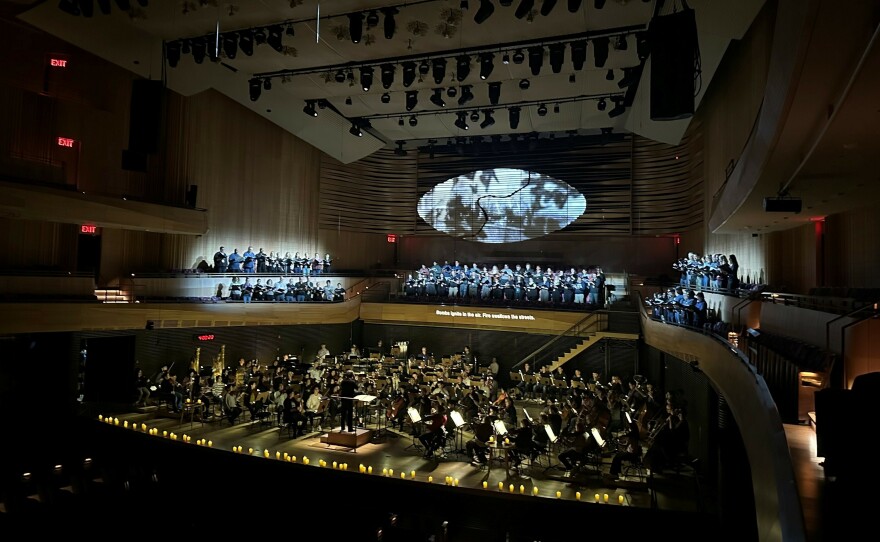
pixel 347 440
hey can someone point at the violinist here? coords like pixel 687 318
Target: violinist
pixel 435 431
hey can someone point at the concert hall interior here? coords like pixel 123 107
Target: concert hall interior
pixel 440 270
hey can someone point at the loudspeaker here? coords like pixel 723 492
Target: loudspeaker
pixel 782 205
pixel 674 55
pixel 192 195
pixel 145 117
pixel 134 161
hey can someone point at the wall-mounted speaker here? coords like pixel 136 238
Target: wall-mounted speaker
pixel 782 205
pixel 675 53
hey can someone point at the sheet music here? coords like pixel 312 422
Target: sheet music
pixel 414 415
pixel 456 418
pixel 526 412
pixel 365 398
pixel 500 428
pixel 550 434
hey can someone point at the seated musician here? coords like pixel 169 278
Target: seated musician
pixel 295 414
pixel 631 451
pixel 435 431
pixel 313 407
pixel 478 447
pixel 579 449
pixel 671 441
pixel 231 408
pixel 525 388
pixel 523 443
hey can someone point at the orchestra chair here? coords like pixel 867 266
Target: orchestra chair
pixel 261 414
pixel 633 469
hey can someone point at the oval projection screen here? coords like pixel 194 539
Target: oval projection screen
pixel 501 205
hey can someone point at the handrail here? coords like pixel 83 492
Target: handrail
pixel 573 330
pixel 850 314
pixel 745 303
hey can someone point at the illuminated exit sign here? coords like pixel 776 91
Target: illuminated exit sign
pixel 66 142
pixel 58 62
pixel 392 237
pixel 90 229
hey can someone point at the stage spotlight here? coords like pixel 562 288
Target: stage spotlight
pixel 104 6
pixel 574 6
pixel 536 59
pixel 184 48
pixel 609 75
pixel 439 70
pixel 494 92
pixel 355 130
pixel 542 110
pixel 356 26
pixel 466 95
pixel 372 19
pixel 230 45
pixel 513 117
pixel 124 5
pixel 386 98
pixel 601 104
pixel 487 64
pixel 348 100
pixel 256 88
pixel 461 122
pixel 557 56
pixel 274 38
pixel 413 121
pixel 620 43
pixel 172 53
pixel 340 76
pixel 600 51
pixel 267 84
pixel 366 78
pixel 399 150
pixel 486 9
pixel 578 54
pixel 505 59
pixel 524 84
pixel 547 7
pixel 198 50
pixel 475 116
pixel 462 67
pixel 525 6
pixel 463 5
pixel 246 42
pixel 489 120
pixel 290 31
pixel 71 7
pixel 309 109
pixel 409 73
pixel 572 78
pixel 452 92
pixel 437 98
pixel 412 99
pixel 400 121
pixel 87 8
pixel 618 108
pixel 519 57
pixel 629 77
pixel 390 22
pixel 556 108
pixel 388 75
pixel 424 67
pixel 599 4
pixel 643 48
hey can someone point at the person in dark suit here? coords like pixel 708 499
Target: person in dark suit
pixel 221 261
pixel 347 391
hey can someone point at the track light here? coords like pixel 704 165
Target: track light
pixel 620 43
pixel 556 108
pixel 486 9
pixel 274 38
pixel 505 59
pixel 618 108
pixel 524 84
pixel 601 104
pixel 609 75
pixel 424 67
pixel 462 67
pixel 525 6
pixel 388 75
pixel 399 150
pixel 629 77
pixel 475 116
pixel 547 7
pixel 466 95
pixel 172 53
pixel 461 122
pixel 557 56
pixel 230 45
pixel 86 8
pixel 409 73
pixel 572 78
pixel 463 5
pixel 536 59
pixel 198 50
pixel 513 117
pixel 578 54
pixel 574 6
pixel 542 110
pixel 246 42
pixel 184 47
pixel 356 26
pixel 290 31
pixel 599 4
pixel 519 57
pixel 386 98
pixel 489 120
pixel 643 48
pixel 412 99
pixel 390 22
pixel 600 51
pixel 267 84
pixel 256 88
pixel 372 19
pixel 413 121
pixel 366 78
pixel 452 92
pixel 487 64
pixel 309 109
pixel 348 100
pixel 340 76
pixel 494 92
pixel 259 37
pixel 437 98
pixel 439 70
pixel 506 3
pixel 400 121
pixel 355 130
pixel 104 6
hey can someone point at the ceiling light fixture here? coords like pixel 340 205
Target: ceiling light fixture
pixel 309 109
pixel 600 51
pixel 547 7
pixel 486 9
pixel 494 92
pixel 524 84
pixel 246 42
pixel 366 77
pixel 390 25
pixel 372 19
pixel 599 4
pixel 629 77
pixel 172 53
pixel 609 75
pixel 290 31
pixel 519 57
pixel 386 98
pixel 505 59
pixel 256 88
pixel 199 48
pixel 542 110
pixel 462 67
pixel 355 130
pixel 475 116
pixel 578 54
pixel 413 121
pixel 409 73
pixel 439 70
pixel 452 92
pixel 513 117
pixel 601 104
pixel 618 108
pixel 399 150
pixel 488 120
pixel 536 59
pixel 620 43
pixel 524 8
pixel 574 6
pixel 230 45
pixel 274 38
pixel 466 95
pixel 437 98
pixel 412 99
pixel 557 56
pixel 487 64
pixel 356 26
pixel 388 75
pixel 461 122
pixel 340 76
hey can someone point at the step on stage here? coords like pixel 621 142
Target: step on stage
pixel 347 440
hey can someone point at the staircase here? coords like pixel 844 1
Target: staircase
pixel 112 295
pixel 586 343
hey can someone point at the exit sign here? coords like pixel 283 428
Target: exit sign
pixel 90 229
pixel 392 237
pixel 205 337
pixel 58 62
pixel 66 142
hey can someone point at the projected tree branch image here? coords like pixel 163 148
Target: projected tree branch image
pixel 501 205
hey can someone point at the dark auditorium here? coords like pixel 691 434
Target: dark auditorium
pixel 440 270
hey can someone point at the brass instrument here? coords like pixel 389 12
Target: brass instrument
pixel 195 363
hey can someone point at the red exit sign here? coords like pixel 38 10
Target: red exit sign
pixel 58 62
pixel 66 142
pixel 392 237
pixel 88 228
pixel 209 337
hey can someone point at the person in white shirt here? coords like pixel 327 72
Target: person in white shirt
pixel 493 368
pixel 322 352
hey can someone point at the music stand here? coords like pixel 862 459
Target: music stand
pixel 415 418
pixel 500 428
pixel 515 376
pixel 458 422
pixel 552 439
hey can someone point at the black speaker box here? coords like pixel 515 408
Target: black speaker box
pixel 192 195
pixel 145 118
pixel 782 205
pixel 674 55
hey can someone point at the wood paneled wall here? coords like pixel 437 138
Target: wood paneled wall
pixel 851 255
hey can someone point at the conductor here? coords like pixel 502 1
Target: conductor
pixel 347 391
